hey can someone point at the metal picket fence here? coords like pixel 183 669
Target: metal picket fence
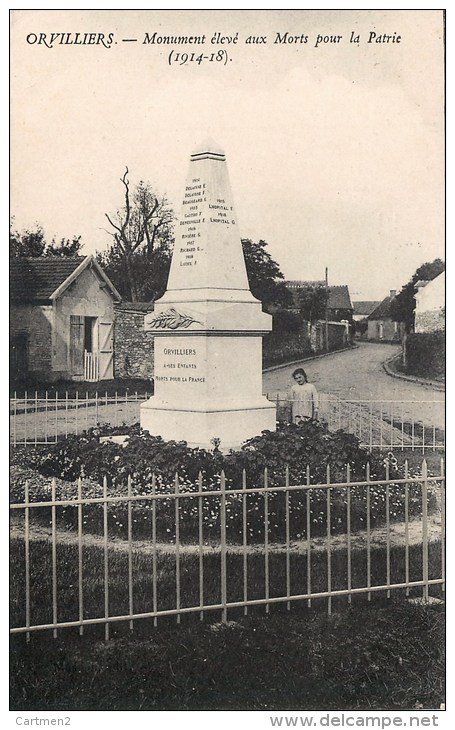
pixel 378 423
pixel 292 560
pixel 43 420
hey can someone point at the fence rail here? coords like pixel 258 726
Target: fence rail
pixel 42 420
pixel 378 423
pixel 312 542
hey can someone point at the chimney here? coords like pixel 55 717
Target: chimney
pixel 393 292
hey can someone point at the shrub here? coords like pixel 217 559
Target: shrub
pixel 279 347
pixel 425 354
pixel 306 451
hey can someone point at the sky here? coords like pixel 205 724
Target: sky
pixel 335 149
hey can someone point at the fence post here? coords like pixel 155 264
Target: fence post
pixel 287 529
pixel 223 546
pixel 80 555
pixel 443 521
pixel 387 522
pixel 368 508
pixel 406 524
pixel 245 536
pixel 36 417
pixel 348 529
pixel 130 553
pixel 371 423
pixel 201 547
pixel 154 560
pixel 56 416
pixel 425 529
pixel 177 545
pixel 402 427
pixel 14 418
pixel 45 418
pixel 106 561
pixel 308 535
pixel 329 547
pixel 27 558
pixel 54 558
pixel 25 417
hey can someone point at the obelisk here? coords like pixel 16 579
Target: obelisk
pixel 208 327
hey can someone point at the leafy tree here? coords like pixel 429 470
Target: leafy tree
pixel 149 271
pixel 403 306
pixel 32 244
pixel 139 258
pixel 313 302
pixel 66 247
pixel 264 275
pixel 29 243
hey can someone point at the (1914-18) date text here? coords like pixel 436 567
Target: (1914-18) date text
pixel 179 58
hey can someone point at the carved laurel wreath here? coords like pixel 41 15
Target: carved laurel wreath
pixel 173 320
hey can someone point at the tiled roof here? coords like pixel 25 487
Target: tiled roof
pixel 382 311
pixel 297 284
pixel 364 308
pixel 338 295
pixel 36 279
pixel 339 298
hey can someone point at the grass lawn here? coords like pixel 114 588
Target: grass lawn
pixel 383 654
pixel 371 657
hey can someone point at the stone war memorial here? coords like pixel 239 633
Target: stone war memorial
pixel 208 327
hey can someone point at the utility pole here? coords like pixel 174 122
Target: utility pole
pixel 326 309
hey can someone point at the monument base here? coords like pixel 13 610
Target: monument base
pixel 199 427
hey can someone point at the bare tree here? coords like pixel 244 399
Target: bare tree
pixel 139 227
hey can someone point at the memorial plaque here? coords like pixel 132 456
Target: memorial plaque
pixel 208 327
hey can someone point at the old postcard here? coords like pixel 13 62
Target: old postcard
pixel 227 363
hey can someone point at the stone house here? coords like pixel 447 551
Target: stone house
pixel 363 309
pixel 61 319
pixel 133 346
pixel 381 327
pixel 430 305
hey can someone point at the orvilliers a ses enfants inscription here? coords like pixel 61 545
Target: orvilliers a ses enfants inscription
pixel 208 327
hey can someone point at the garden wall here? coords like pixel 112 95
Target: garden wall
pixel 133 346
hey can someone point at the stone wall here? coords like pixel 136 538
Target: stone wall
pixel 34 324
pixel 133 347
pixel 429 321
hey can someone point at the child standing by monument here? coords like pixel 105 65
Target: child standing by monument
pixel 303 397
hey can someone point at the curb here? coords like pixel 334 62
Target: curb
pixel 307 359
pixel 411 378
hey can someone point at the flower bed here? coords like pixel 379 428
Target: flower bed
pixel 306 451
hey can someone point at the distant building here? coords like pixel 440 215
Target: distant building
pixel 363 309
pixel 339 305
pixel 381 327
pixel 61 319
pixel 430 305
